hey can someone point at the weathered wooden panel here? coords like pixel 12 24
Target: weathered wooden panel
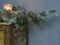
pixel 11 36
pixel 1 38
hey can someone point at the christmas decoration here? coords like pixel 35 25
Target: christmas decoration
pixel 20 18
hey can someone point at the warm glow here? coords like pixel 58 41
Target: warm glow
pixel 7 6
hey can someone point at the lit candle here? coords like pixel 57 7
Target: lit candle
pixel 7 6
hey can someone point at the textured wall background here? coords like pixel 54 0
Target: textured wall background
pixel 50 34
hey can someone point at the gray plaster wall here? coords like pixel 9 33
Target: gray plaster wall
pixel 49 34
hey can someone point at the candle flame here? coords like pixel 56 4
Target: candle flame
pixel 8 6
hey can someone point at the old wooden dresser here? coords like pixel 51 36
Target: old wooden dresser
pixel 9 35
